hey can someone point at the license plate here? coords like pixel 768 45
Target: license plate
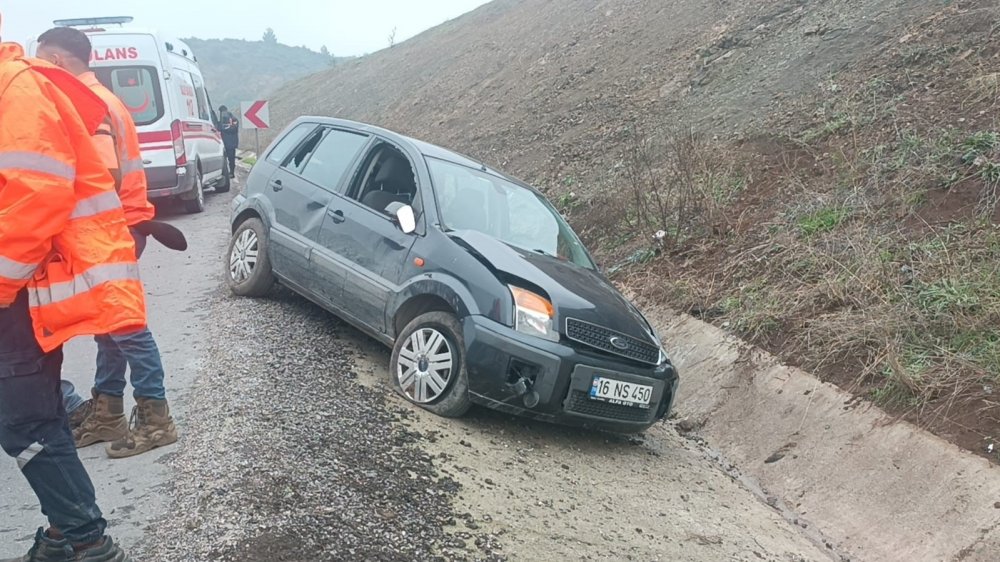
pixel 621 392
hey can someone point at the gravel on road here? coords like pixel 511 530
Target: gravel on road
pixel 288 458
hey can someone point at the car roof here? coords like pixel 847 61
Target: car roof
pixel 419 146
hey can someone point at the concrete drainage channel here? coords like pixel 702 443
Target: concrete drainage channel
pixel 807 528
pixel 858 482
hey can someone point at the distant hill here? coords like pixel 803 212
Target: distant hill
pixel 237 70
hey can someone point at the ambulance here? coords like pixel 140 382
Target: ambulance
pixel 158 79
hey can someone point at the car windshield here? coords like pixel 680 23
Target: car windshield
pixel 474 200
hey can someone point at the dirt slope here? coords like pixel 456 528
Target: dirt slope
pixel 542 85
pixel 824 175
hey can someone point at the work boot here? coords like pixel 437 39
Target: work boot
pixel 46 549
pixel 80 414
pixel 105 423
pixel 151 427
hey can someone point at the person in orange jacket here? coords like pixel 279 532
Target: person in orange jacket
pixel 102 419
pixel 67 268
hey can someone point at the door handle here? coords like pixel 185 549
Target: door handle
pixel 276 185
pixel 337 216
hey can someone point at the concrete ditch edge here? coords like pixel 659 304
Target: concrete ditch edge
pixel 877 488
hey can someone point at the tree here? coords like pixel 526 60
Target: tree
pixel 331 60
pixel 392 38
pixel 269 36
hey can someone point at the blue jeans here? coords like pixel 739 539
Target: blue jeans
pixel 34 429
pixel 116 353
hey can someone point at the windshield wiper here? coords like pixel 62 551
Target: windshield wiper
pixel 544 253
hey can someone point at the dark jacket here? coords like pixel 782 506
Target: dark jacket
pixel 229 125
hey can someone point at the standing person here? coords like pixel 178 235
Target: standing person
pixel 103 418
pixel 230 127
pixel 67 268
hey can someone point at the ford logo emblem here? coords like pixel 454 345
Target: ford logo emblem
pixel 620 343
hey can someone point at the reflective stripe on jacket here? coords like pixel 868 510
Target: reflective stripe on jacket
pixel 63 233
pixel 132 183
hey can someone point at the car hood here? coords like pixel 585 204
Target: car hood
pixel 575 292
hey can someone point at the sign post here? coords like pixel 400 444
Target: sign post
pixel 255 115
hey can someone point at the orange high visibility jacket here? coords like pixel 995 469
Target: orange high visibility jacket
pixel 62 228
pixel 132 186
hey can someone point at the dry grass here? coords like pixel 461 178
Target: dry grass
pixel 672 193
pixel 846 275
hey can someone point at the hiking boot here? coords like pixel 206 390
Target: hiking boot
pixel 105 423
pixel 46 549
pixel 151 427
pixel 104 551
pixel 80 414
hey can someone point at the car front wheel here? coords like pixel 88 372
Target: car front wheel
pixel 248 270
pixel 428 365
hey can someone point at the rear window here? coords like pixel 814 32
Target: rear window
pixel 290 141
pixel 332 157
pixel 139 89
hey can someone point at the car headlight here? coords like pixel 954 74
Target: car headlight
pixel 534 314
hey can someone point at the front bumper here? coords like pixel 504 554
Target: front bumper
pixel 561 375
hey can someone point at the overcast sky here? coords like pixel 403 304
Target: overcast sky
pixel 345 27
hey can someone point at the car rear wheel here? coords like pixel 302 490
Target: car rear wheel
pixel 197 203
pixel 428 365
pixel 248 271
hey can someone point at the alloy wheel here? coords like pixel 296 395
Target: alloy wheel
pixel 425 365
pixel 243 257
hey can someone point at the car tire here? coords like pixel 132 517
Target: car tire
pixel 197 204
pixel 248 265
pixel 418 379
pixel 227 183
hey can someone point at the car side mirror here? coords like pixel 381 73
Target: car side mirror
pixel 403 216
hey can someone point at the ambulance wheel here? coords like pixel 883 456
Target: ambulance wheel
pixel 226 184
pixel 197 202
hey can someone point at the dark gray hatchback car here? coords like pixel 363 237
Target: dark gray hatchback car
pixel 477 283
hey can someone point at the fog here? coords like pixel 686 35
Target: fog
pixel 344 27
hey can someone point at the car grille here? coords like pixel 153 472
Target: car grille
pixel 580 403
pixel 600 338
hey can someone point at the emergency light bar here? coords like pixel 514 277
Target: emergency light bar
pixel 119 20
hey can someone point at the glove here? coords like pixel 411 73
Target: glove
pixel 164 233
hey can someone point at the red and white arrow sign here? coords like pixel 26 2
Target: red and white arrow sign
pixel 256 114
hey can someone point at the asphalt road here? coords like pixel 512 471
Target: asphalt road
pixel 294 448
